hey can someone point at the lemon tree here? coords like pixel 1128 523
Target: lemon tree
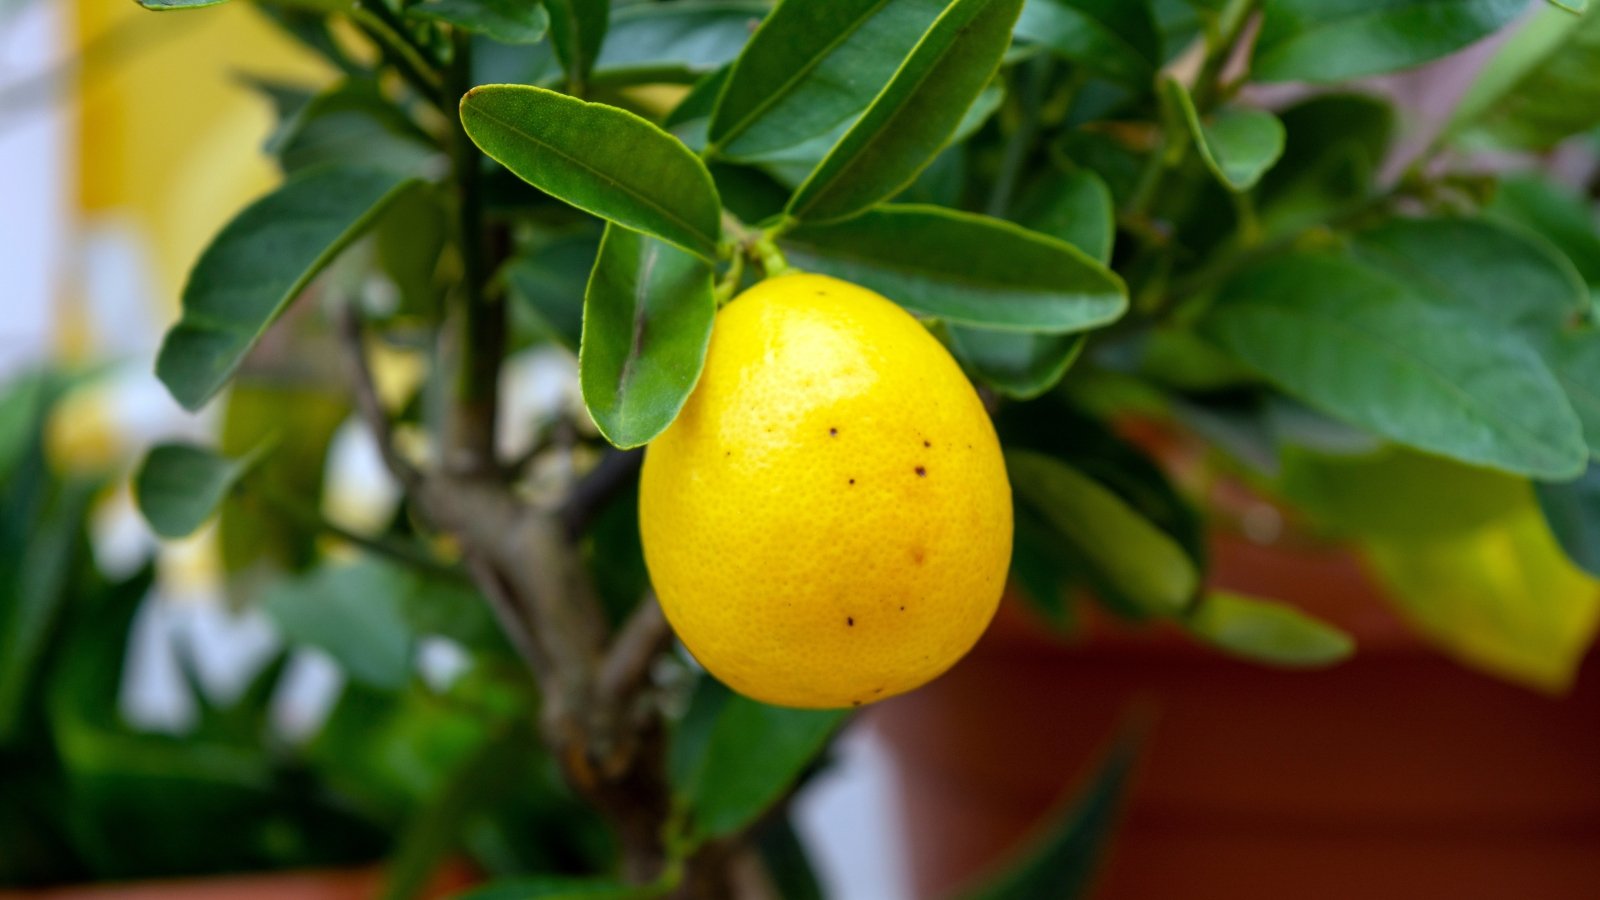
pixel 874 306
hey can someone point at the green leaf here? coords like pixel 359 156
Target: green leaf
pixel 577 31
pixel 180 486
pixel 1572 510
pixel 1133 557
pixel 809 68
pixel 164 5
pixel 787 863
pixel 1361 346
pixel 1572 6
pixel 1238 145
pixel 964 268
pixel 599 158
pixel 353 613
pixel 506 21
pixel 260 263
pixel 1541 87
pixel 1060 864
pixel 678 41
pixel 1334 146
pixel 548 281
pixel 1267 631
pixel 751 755
pixel 1116 38
pixel 646 326
pixel 1559 215
pixel 914 115
pixel 1075 207
pixel 556 888
pixel 1018 365
pixel 1335 40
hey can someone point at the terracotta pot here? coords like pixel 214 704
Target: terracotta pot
pixel 362 883
pixel 1398 774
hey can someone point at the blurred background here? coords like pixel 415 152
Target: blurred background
pixel 127 140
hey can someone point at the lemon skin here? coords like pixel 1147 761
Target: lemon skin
pixel 828 522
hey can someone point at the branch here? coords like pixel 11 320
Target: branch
pixel 510 616
pixel 597 488
pixel 627 662
pixel 368 403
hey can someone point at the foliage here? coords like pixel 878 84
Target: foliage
pixel 1102 236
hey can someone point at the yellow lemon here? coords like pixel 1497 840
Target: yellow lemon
pixel 828 522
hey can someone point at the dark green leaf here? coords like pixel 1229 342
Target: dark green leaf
pixel 810 67
pixel 353 613
pixel 787 863
pixel 677 41
pixel 1061 863
pixel 1074 207
pixel 753 753
pixel 1560 216
pixel 556 888
pixel 1267 632
pixel 599 158
pixel 1334 146
pixel 1361 346
pixel 1238 144
pixel 1334 40
pixel 258 264
pixel 549 279
pixel 1130 554
pixel 507 21
pixel 1116 38
pixel 1572 510
pixel 914 115
pixel 180 486
pixel 964 268
pixel 577 31
pixel 1541 87
pixel 1017 365
pixel 646 325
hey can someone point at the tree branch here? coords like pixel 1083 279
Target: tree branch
pixel 641 639
pixel 597 488
pixel 368 404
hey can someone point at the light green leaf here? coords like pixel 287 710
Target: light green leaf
pixel 1335 40
pixel 1132 556
pixel 1541 87
pixel 577 31
pixel 964 268
pixel 810 67
pixel 749 758
pixel 599 158
pixel 1267 631
pixel 506 21
pixel 1238 145
pixel 259 264
pixel 353 613
pixel 646 325
pixel 1061 863
pixel 180 486
pixel 1117 38
pixel 913 116
pixel 1361 346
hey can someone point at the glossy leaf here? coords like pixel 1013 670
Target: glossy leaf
pixel 260 263
pixel 506 21
pixel 811 66
pixel 1075 207
pixel 1130 554
pixel 1061 863
pixel 1266 631
pixel 1572 510
pixel 914 115
pixel 964 268
pixel 646 326
pixel 352 119
pixel 1116 38
pixel 1017 365
pixel 1238 144
pixel 351 612
pixel 1333 40
pixel 577 31
pixel 599 158
pixel 1541 87
pixel 677 41
pixel 750 756
pixel 1361 346
pixel 180 486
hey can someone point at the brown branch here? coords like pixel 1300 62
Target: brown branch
pixel 509 614
pixel 597 488
pixel 368 404
pixel 627 662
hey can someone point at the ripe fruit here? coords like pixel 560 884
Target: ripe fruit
pixel 828 521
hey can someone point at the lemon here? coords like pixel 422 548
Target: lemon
pixel 828 522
